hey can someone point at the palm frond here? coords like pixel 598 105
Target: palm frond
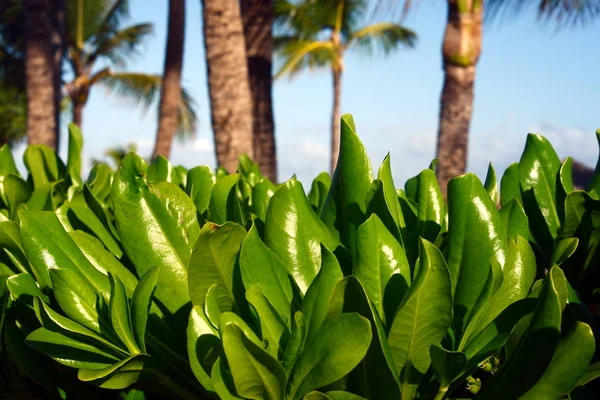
pixel 120 46
pixel 563 12
pixel 90 19
pixel 384 35
pixel 300 54
pixel 13 115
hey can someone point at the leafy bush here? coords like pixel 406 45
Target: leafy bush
pixel 194 284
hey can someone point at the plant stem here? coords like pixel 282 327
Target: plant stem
pixel 441 393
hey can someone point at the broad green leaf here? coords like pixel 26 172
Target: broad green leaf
pixel 381 266
pixel 82 218
pixel 410 187
pixel 100 211
pixel 592 372
pixel 263 271
pixel 68 351
pixel 319 189
pixel 564 186
pixel 332 395
pixel 595 183
pixel 10 241
pixel 103 260
pixel 201 344
pixel 293 232
pixel 222 379
pixel 391 199
pixel 182 174
pixel 256 374
pixel 48 246
pixel 431 207
pixel 23 287
pixel 295 343
pixel 261 196
pixel 122 374
pixel 141 302
pixel 7 162
pixel 214 262
pixel 211 306
pixel 534 353
pixel 491 186
pixel 345 206
pixel 510 185
pixel 74 155
pixel 414 330
pixel 515 220
pixel 376 376
pixel 538 167
pixel 337 347
pixel 273 327
pixel 378 205
pixel 475 235
pixel 569 362
pixel 158 227
pixel 224 202
pixel 447 365
pixel 43 165
pixel 100 181
pixel 563 249
pixel 15 191
pixel 316 301
pixel 120 316
pixel 161 170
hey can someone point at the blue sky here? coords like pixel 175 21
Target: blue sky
pixel 530 78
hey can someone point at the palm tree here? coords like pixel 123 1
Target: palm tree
pixel 318 34
pixel 257 17
pixel 170 97
pixel 39 73
pixel 227 76
pixel 94 35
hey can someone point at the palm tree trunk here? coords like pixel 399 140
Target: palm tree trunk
pixel 78 113
pixel 257 17
pixel 336 118
pixel 227 73
pixel 41 115
pixel 171 84
pixel 461 50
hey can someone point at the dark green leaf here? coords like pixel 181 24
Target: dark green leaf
pixel 319 190
pixel 141 302
pixel 120 316
pixel 490 184
pixel 447 365
pixel 510 185
pixel 201 343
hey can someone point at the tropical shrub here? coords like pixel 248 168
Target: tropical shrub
pixel 199 284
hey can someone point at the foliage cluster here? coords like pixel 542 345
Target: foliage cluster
pixel 194 284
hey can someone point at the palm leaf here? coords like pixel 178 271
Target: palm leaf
pixel 13 115
pixel 300 54
pixel 384 35
pixel 121 45
pixel 87 19
pixel 564 12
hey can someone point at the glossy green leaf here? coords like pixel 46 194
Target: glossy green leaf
pixel 534 353
pixel 510 185
pixel 315 306
pixel 74 154
pixel 23 287
pixel 273 327
pixel 569 362
pixel 224 202
pixel 376 376
pixel 161 170
pixel 201 344
pixel 490 184
pixel 182 173
pixel 293 232
pixel 7 162
pixel 158 227
pixel 211 307
pixel 141 302
pixel 82 218
pixel 122 374
pixel 338 346
pixel 100 211
pixel 391 199
pixel 261 196
pixel 422 319
pixel 120 315
pixel 431 207
pixel 256 374
pixel 43 165
pixel 345 205
pixel 447 365
pixel 381 266
pixel 214 262
pixel 319 189
pixel 263 271
pixel 223 381
pixel 475 235
pixel 15 191
pixel 295 343
pixel 592 372
pixel 595 183
pixel 563 249
pixel 10 241
pixel 100 181
pixel 515 220
pixel 564 186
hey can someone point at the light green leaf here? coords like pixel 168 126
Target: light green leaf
pixel 224 202
pixel 122 374
pixel 74 155
pixel 515 220
pixel 490 184
pixel 563 249
pixel 201 340
pixel 273 327
pixel 161 170
pixel 141 302
pixel 261 197
pixel 510 185
pixel 120 316
pixel 319 189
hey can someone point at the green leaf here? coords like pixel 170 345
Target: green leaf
pixel 211 306
pixel 345 206
pixel 376 376
pixel 224 202
pixel 82 218
pixel 256 374
pixel 332 395
pixel 120 316
pixel 539 166
pixel 293 232
pixel 100 211
pixel 43 165
pixel 141 302
pixel 100 181
pixel 122 374
pixel 534 353
pixel 564 186
pixel 48 246
pixel 515 220
pixel 563 249
pixel 158 227
pixel 15 191
pixel 201 344
pixel 315 305
pixel 475 235
pixel 413 330
pixel 74 155
pixel 569 362
pixel 10 241
pixel 23 287
pixel 490 184
pixel 338 346
pixel 391 199
pixel 592 372
pixel 161 170
pixel 447 365
pixel 273 327
pixel 261 197
pixel 381 266
pixel 431 207
pixel 182 174
pixel 214 261
pixel 263 271
pixel 295 343
pixel 510 185
pixel 595 183
pixel 7 162
pixel 319 189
